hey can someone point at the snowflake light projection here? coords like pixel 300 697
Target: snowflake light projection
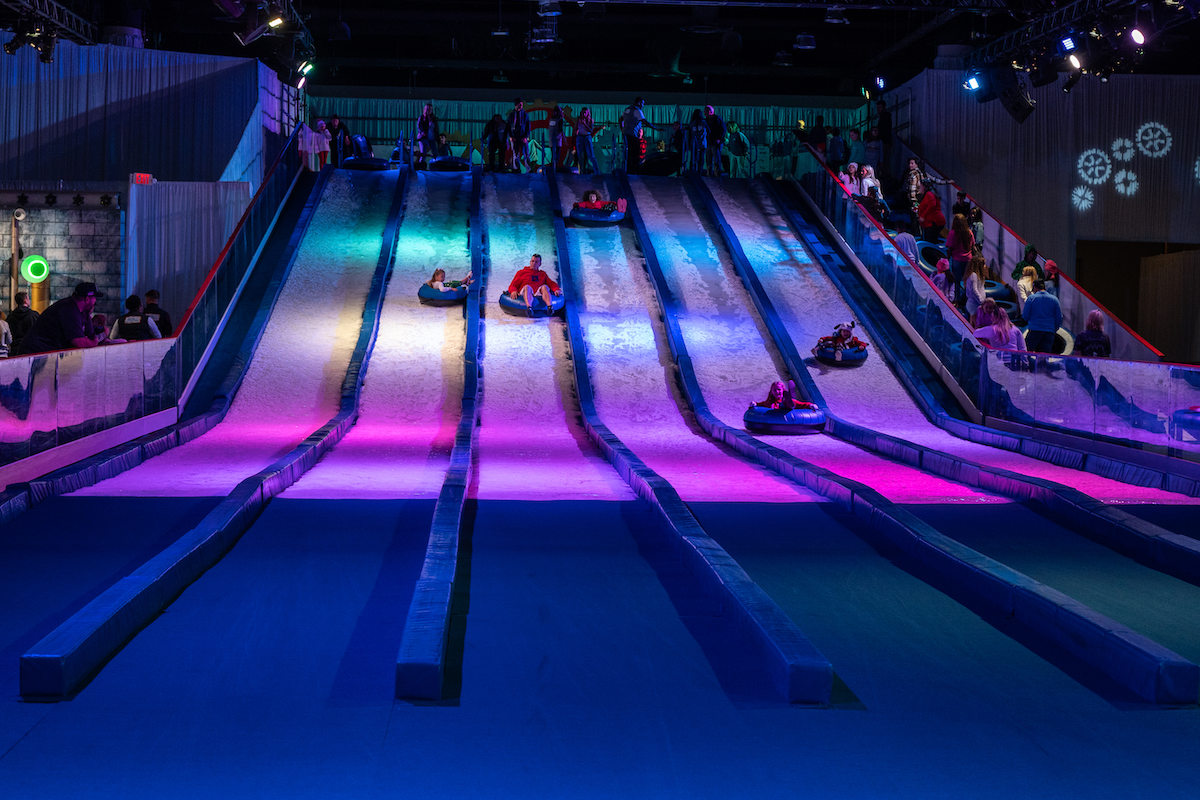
pixel 1154 139
pixel 1122 149
pixel 1094 166
pixel 1126 182
pixel 1083 198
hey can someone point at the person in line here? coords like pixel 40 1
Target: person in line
pixel 866 174
pixel 997 329
pixel 156 312
pixel 697 132
pixel 1092 341
pixel 585 144
pixel 20 320
pixel 64 325
pixel 961 205
pixel 322 137
pixel 835 149
pixel 1030 260
pixel 339 140
pixel 848 176
pixel 874 203
pixel 427 135
pixel 1025 287
pixel 518 135
pixel 960 247
pixel 739 152
pixel 532 281
pixel 976 219
pixel 633 125
pixel 5 336
pixel 134 325
pixel 907 243
pixel 1043 313
pixel 914 184
pixel 943 281
pixel 856 151
pixel 873 146
pixel 556 125
pixel 495 134
pixel 716 141
pixel 930 216
pixel 971 285
pixel 100 326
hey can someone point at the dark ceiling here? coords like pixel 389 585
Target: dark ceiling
pixel 732 47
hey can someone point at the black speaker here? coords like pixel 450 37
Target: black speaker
pixel 1011 89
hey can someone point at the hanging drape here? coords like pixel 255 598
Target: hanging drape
pixel 102 112
pixel 175 233
pixel 1115 161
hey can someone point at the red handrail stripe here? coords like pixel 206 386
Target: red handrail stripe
pixel 212 273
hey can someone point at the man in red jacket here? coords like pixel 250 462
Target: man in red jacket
pixel 532 281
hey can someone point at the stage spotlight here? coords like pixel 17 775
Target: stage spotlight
pixel 275 22
pixel 1066 44
pixel 306 67
pixel 1074 61
pixel 26 33
pixel 973 81
pixel 836 16
pixel 45 47
pixel 549 9
pixel 1138 37
pixel 1071 81
pixel 879 82
pixel 805 41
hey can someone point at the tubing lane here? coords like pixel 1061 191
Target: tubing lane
pixel 974 462
pixel 1143 666
pixel 799 672
pixel 63 661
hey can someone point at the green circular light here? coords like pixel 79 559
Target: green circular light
pixel 35 269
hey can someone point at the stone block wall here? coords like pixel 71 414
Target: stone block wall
pixel 81 244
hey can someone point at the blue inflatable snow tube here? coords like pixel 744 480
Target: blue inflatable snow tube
pixel 929 254
pixel 433 297
pixel 806 419
pixel 596 216
pixel 998 291
pixel 449 164
pixel 1185 419
pixel 850 358
pixel 518 308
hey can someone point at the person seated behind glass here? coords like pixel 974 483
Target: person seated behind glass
pixel 532 281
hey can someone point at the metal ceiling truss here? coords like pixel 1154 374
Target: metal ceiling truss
pixel 62 20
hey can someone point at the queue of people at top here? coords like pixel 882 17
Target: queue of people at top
pixel 70 324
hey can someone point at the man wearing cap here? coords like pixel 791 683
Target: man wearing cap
pixel 65 325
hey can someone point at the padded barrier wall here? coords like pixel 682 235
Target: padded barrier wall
pixel 66 659
pixel 18 497
pixel 421 662
pixel 1148 543
pixel 1136 662
pixel 798 670
pixel 962 356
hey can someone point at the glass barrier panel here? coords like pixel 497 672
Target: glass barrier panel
pixel 1183 425
pixel 160 375
pixel 123 383
pixel 16 421
pixel 81 401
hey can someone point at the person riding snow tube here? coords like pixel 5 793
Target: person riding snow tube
pixel 782 413
pixel 532 293
pixel 437 291
pixel 591 210
pixel 842 349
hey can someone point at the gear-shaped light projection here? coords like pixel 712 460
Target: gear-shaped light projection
pixel 1122 149
pixel 1083 198
pixel 1094 166
pixel 1154 139
pixel 1127 183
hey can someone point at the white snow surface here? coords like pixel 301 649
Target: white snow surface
pixel 293 385
pixel 412 392
pixel 872 395
pixel 531 443
pixel 734 363
pixel 633 378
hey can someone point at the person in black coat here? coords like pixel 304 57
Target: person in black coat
pixel 20 320
pixel 339 146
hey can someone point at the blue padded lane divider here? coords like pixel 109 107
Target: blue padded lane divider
pixel 63 662
pixel 1149 544
pixel 421 663
pixel 1126 463
pixel 1136 662
pixel 109 463
pixel 799 672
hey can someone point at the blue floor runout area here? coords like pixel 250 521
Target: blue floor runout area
pixel 591 667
